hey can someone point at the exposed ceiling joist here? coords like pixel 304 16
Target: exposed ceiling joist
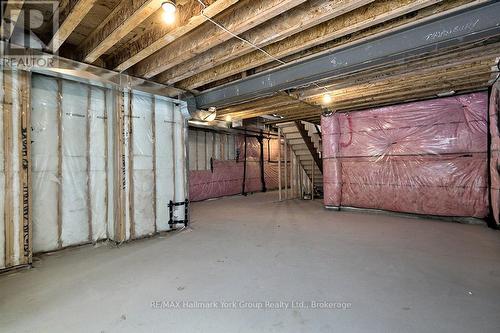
pixel 453 29
pixel 351 22
pixel 238 19
pixel 11 13
pixel 404 70
pixel 293 21
pixel 160 36
pixel 460 69
pixel 75 12
pixel 126 16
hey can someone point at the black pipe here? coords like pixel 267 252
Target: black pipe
pixel 262 173
pixel 243 192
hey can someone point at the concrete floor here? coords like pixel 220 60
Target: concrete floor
pixel 393 274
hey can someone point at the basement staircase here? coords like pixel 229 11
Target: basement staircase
pixel 304 139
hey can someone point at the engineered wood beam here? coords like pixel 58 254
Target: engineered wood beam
pixel 124 18
pixel 11 13
pixel 160 35
pixel 78 9
pixel 289 23
pixel 366 22
pixel 238 19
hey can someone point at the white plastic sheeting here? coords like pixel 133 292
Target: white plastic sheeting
pixel 143 215
pixel 155 159
pixel 44 157
pixel 98 163
pixel 164 135
pixel 69 147
pixel 73 125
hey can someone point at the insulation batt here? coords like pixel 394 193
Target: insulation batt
pixel 426 157
pixel 227 176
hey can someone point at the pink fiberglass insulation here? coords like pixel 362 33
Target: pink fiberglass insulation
pixel 495 152
pixel 426 157
pixel 227 176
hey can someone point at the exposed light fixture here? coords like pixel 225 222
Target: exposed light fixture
pixel 327 113
pixel 446 93
pixel 212 114
pixel 169 9
pixel 229 119
pixel 327 99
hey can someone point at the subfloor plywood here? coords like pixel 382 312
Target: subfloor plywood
pixel 399 274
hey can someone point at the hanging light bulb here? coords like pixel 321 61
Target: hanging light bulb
pixel 327 98
pixel 169 9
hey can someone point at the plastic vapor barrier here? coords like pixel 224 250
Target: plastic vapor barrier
pixel 252 168
pixel 73 198
pixel 85 161
pixel 426 157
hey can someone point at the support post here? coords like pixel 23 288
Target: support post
pixel 279 164
pixel 312 179
pixel 286 168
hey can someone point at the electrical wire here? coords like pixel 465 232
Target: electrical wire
pixel 220 26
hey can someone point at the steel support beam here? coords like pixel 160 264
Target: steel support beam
pixel 466 26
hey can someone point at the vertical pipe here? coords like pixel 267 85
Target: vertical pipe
pixel 279 164
pixel 301 174
pixel 243 191
pixel 286 167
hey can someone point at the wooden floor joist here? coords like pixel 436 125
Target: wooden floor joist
pixel 10 13
pixel 125 17
pixel 471 68
pixel 367 21
pixel 159 36
pixel 289 23
pixel 243 16
pixel 71 18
